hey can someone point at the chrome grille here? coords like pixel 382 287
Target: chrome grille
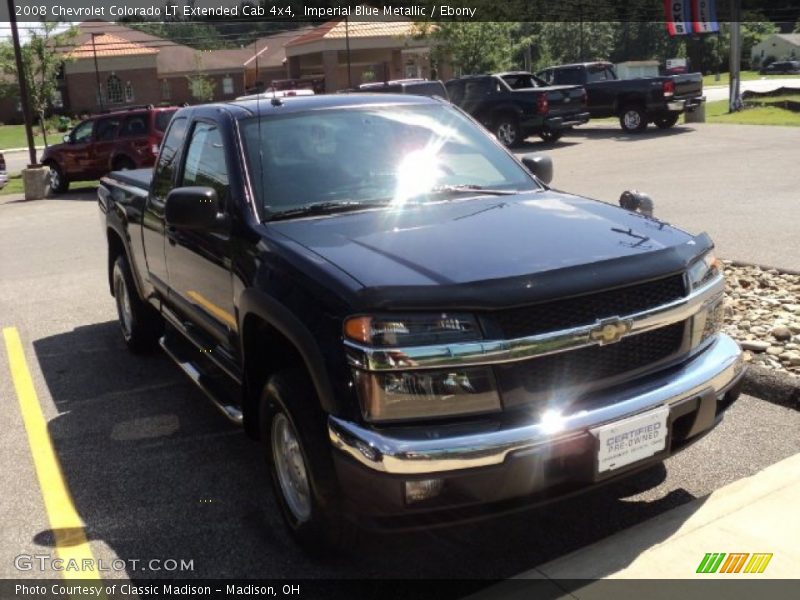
pixel 587 308
pixel 592 364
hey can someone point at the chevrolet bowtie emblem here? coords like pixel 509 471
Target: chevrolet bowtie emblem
pixel 610 331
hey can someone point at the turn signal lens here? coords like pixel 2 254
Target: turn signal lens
pixel 703 270
pixel 411 330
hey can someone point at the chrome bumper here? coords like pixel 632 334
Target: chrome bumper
pixel 681 105
pixel 419 451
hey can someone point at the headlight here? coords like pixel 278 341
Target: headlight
pixel 420 394
pixel 709 320
pixel 425 394
pixel 412 330
pixel 703 270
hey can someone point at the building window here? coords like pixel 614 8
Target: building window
pixel 227 85
pixel 166 90
pixel 128 91
pixel 114 89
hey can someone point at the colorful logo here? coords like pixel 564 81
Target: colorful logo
pixel 736 562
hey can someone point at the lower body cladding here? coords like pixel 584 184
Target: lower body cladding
pixel 407 477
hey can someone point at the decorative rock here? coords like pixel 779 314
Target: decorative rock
pixel 782 334
pixel 755 345
pixel 775 350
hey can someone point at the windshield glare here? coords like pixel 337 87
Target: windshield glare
pixel 373 155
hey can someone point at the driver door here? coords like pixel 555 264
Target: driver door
pixel 78 153
pixel 198 262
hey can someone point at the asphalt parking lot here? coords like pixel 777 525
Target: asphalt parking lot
pixel 155 472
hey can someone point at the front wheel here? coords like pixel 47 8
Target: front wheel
pixel 295 441
pixel 665 122
pixel 550 136
pixel 58 181
pixel 507 131
pixel 633 119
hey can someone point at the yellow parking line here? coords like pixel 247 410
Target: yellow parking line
pixel 68 528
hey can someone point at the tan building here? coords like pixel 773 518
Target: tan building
pixel 112 66
pixel 780 46
pixel 347 53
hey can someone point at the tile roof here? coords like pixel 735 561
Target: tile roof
pixel 107 44
pixel 340 29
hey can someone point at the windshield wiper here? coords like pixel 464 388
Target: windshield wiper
pixel 323 208
pixel 470 188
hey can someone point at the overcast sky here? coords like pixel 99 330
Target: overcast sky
pixel 24 29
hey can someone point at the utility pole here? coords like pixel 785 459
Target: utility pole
pixel 97 71
pixel 734 86
pixel 347 45
pixel 23 84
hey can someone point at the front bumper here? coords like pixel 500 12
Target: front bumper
pixel 490 462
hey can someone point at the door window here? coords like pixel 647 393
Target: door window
pixel 83 132
pixel 165 169
pixel 568 77
pixel 205 161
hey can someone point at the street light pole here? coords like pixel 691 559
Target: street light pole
pixel 23 83
pixel 347 44
pixel 97 71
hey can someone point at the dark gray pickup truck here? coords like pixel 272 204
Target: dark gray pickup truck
pixel 637 102
pixel 414 325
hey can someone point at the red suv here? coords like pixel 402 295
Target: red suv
pixel 127 139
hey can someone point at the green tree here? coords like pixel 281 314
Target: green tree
pixel 201 86
pixel 472 47
pixel 41 64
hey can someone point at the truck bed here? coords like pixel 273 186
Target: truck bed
pixel 139 178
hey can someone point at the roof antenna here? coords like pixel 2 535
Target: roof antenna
pixel 275 100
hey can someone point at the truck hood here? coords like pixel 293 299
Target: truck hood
pixel 461 243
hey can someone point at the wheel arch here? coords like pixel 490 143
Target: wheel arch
pixel 272 339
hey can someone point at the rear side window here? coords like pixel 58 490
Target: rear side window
pixel 106 129
pixel 456 91
pixel 134 125
pixel 163 117
pixel 205 164
pixel 567 77
pixel 165 169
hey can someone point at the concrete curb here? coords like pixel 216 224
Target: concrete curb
pixel 772 386
pixel 24 149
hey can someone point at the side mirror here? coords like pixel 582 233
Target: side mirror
pixel 541 165
pixel 193 208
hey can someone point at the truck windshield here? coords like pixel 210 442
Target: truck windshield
pixel 374 155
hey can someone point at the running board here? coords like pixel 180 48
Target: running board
pixel 188 367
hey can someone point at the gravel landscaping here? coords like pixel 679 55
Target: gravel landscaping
pixel 763 315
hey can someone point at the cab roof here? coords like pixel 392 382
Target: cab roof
pixel 297 104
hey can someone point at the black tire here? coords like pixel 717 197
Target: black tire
pixel 58 181
pixel 667 121
pixel 141 325
pixel 123 163
pixel 633 119
pixel 550 136
pixel 319 529
pixel 507 130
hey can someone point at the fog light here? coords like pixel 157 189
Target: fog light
pixel 424 489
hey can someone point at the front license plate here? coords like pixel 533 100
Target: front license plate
pixel 631 440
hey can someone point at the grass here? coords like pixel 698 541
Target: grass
pixel 14 185
pixel 13 136
pixel 717 112
pixel 724 78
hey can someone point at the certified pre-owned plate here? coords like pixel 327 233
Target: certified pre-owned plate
pixel 631 440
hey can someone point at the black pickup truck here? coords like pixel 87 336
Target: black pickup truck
pixel 637 102
pixel 515 105
pixel 414 325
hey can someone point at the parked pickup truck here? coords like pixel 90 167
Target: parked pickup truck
pixel 515 105
pixel 414 325
pixel 637 102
